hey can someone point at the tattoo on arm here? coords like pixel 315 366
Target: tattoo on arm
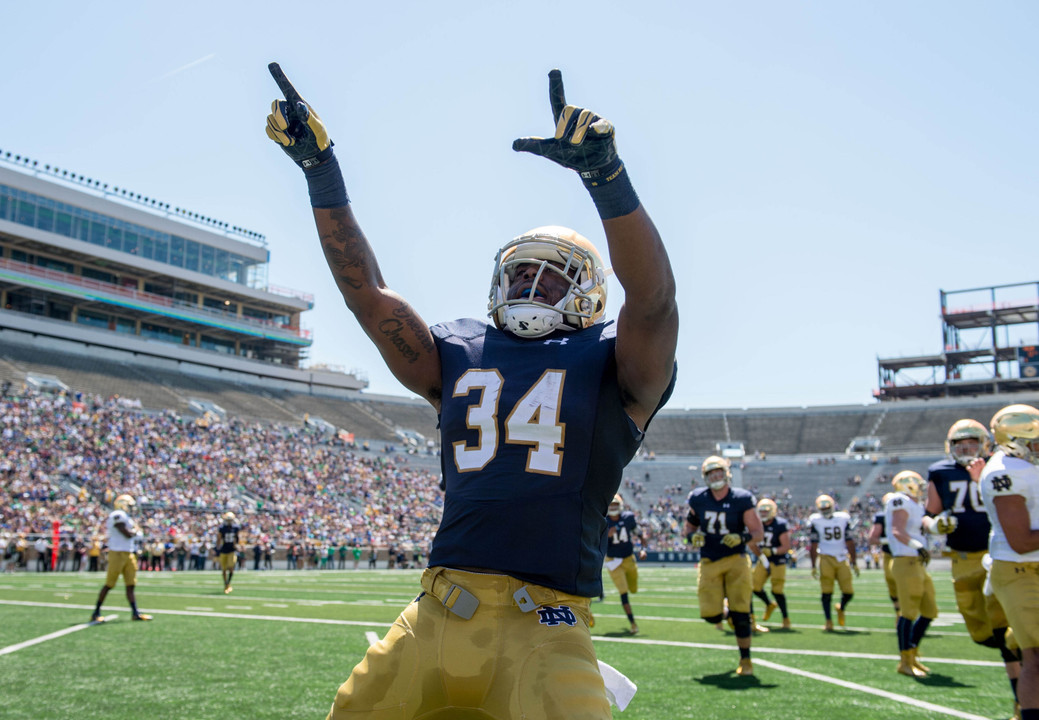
pixel 348 253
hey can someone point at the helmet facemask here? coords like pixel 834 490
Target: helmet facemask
pixel 554 251
pixel 961 452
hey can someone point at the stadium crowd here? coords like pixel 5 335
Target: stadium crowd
pixel 65 457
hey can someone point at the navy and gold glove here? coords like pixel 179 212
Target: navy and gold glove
pixel 295 126
pixel 299 131
pixel 585 142
pixel 732 540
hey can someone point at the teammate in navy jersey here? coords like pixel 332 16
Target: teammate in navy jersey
pixel 227 548
pixel 722 519
pixel 954 501
pixel 771 566
pixel 622 530
pixel 539 413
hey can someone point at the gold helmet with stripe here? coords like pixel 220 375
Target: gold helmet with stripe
pixel 1016 430
pixel 825 505
pixel 767 509
pixel 124 503
pixel 712 463
pixel 967 429
pixel 552 256
pixel 909 483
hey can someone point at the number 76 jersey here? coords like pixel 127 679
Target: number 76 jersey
pixel 534 438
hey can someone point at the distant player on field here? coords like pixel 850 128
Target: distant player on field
pixel 227 548
pixel 121 557
pixel 622 530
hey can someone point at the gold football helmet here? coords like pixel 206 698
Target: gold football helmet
pixel 716 462
pixel 909 483
pixel 228 517
pixel 124 503
pixel 767 509
pixel 825 505
pixel 616 505
pixel 552 249
pixel 967 429
pixel 1016 430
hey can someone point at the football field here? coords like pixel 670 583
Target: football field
pixel 280 645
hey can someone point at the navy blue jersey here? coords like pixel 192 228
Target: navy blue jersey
pixel 534 439
pixel 774 529
pixel 962 497
pixel 881 519
pixel 227 538
pixel 718 518
pixel 624 529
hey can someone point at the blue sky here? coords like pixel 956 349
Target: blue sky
pixel 818 170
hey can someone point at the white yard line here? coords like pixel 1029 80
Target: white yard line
pixel 43 638
pixel 903 699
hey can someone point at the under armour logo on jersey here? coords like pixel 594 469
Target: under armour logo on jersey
pixel 553 616
pixel 561 341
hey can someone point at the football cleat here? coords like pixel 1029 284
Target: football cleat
pixel 914 658
pixel 786 624
pixel 840 616
pixel 142 617
pixel 634 629
pixel 717 481
pixel 828 627
pixel 905 666
pixel 1016 430
pixel 967 429
pixel 228 590
pixel 909 483
pixel 767 509
pixel 746 668
pixel 760 629
pixel 825 505
pixel 772 607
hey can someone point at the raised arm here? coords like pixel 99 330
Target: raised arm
pixel 647 325
pixel 400 334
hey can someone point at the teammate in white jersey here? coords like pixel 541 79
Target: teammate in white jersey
pixel 1010 493
pixel 834 549
pixel 904 516
pixel 121 557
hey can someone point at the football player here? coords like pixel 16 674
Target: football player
pixel 954 501
pixel 772 555
pixel 1010 493
pixel 878 538
pixel 520 547
pixel 227 548
pixel 831 550
pixel 622 531
pixel 722 520
pixel 121 557
pixel 904 516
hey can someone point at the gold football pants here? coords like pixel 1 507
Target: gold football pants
pixel 500 664
pixel 728 577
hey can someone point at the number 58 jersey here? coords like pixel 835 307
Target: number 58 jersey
pixel 831 533
pixel 534 438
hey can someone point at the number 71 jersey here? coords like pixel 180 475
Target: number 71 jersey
pixel 534 438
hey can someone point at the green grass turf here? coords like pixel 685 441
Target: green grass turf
pixel 275 658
